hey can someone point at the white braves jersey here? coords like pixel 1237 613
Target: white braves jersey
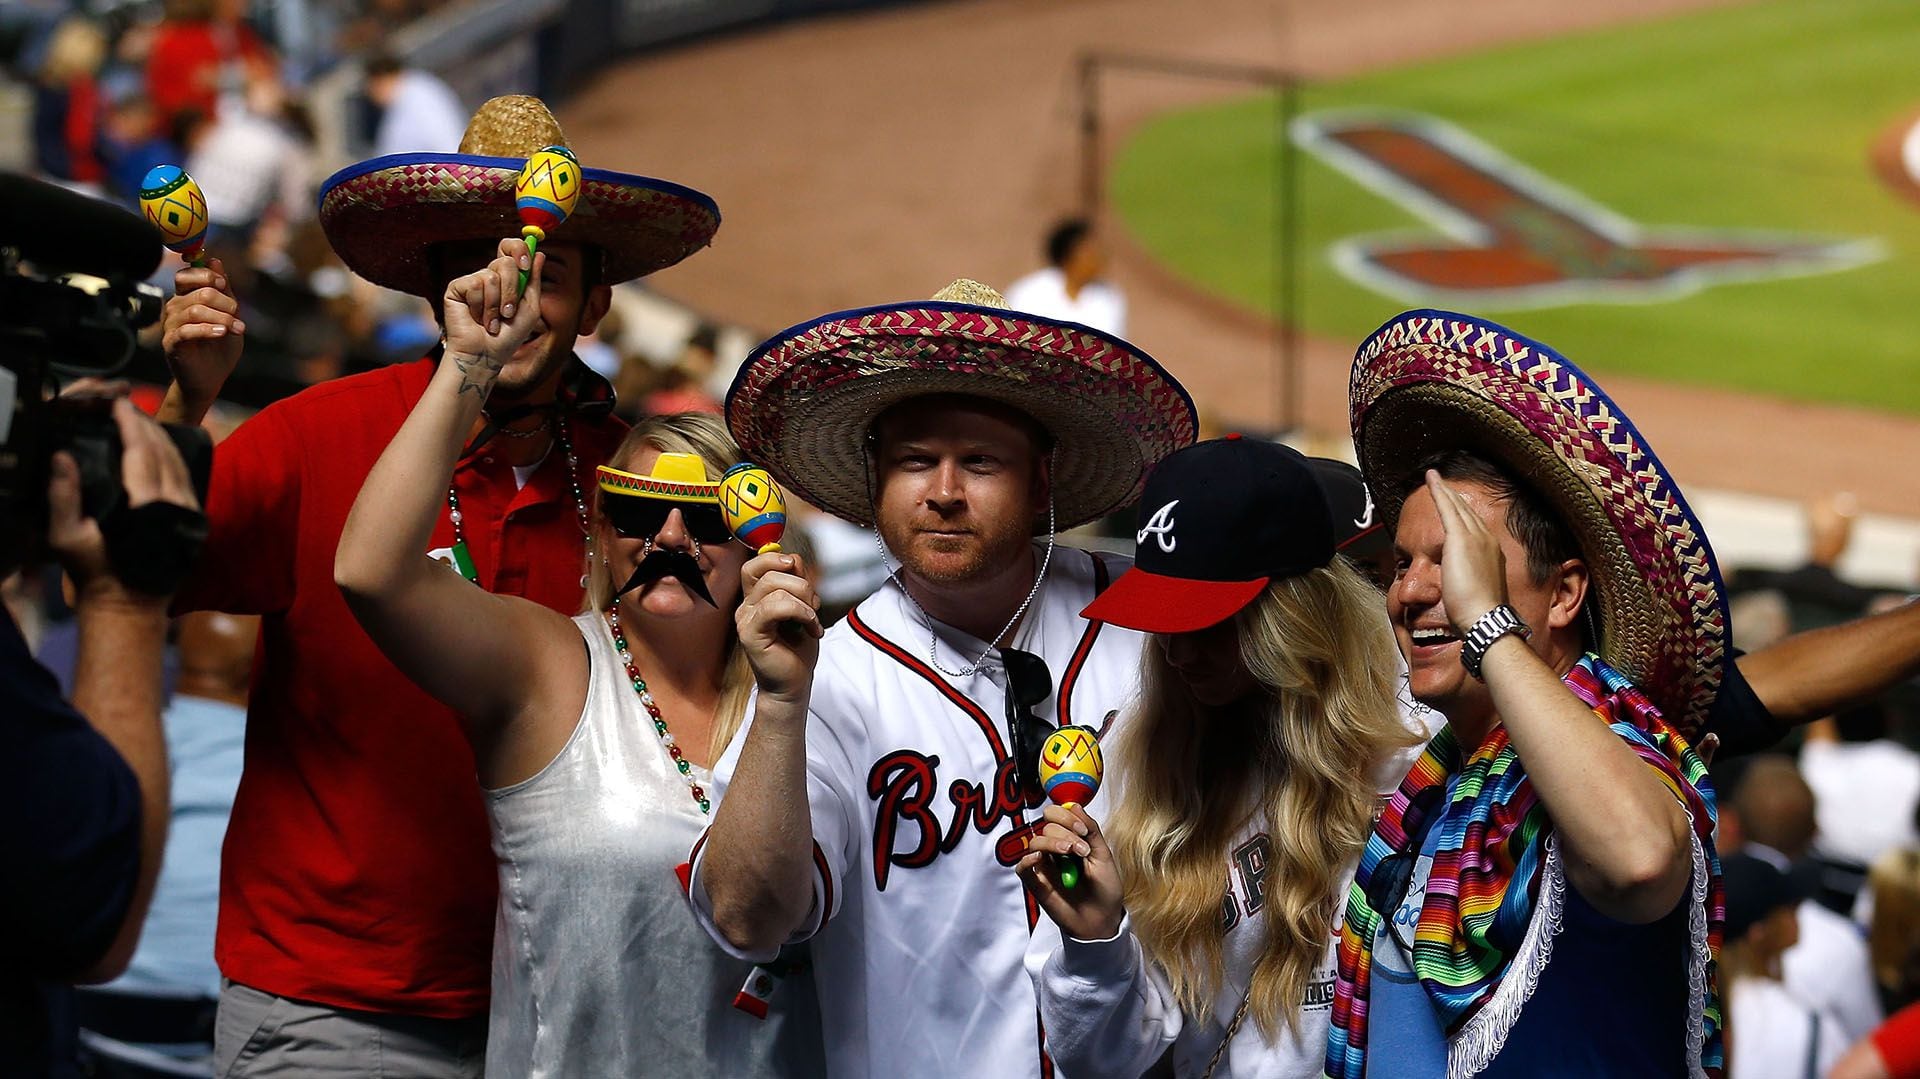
pixel 919 923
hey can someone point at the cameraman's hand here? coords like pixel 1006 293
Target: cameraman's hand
pixel 202 334
pixel 151 471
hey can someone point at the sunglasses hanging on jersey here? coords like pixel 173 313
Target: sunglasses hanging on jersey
pixel 637 506
pixel 1028 684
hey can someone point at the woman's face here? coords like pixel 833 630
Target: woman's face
pixel 1208 662
pixel 720 563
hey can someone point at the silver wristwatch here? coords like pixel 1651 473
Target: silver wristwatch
pixel 1487 629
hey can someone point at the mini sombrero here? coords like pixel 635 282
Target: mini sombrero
pixel 382 215
pixel 1430 381
pixel 677 481
pixel 804 401
pixel 676 477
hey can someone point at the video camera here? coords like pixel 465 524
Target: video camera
pixel 71 286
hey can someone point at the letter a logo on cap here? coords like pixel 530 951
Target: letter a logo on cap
pixel 1160 527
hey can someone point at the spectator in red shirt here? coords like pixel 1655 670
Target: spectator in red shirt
pixel 203 48
pixel 357 883
pixel 1890 1052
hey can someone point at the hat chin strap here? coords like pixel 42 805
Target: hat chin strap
pixel 933 639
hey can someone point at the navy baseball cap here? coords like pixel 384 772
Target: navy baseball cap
pixel 1219 521
pixel 1358 528
pixel 1754 889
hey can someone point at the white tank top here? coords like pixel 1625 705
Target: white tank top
pixel 598 965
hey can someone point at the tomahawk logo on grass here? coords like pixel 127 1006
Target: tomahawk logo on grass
pixel 1514 238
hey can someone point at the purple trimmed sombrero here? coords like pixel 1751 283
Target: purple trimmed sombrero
pixel 1430 381
pixel 382 215
pixel 803 402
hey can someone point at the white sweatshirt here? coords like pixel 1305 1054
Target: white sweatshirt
pixel 1109 1013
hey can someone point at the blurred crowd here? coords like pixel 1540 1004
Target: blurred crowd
pixel 1822 844
pixel 221 88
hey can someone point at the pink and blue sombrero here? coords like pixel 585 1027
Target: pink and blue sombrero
pixel 383 215
pixel 804 401
pixel 1430 381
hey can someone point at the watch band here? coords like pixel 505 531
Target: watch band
pixel 1487 629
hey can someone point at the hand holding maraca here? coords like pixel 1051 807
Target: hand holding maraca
pixel 482 314
pixel 1091 909
pixel 777 594
pixel 779 625
pixel 202 335
pixel 1070 772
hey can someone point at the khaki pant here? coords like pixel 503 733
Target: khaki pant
pixel 261 1036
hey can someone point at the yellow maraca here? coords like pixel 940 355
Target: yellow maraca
pixel 173 203
pixel 543 196
pixel 1070 771
pixel 753 507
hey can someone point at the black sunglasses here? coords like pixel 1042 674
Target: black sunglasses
pixel 1392 876
pixel 1028 684
pixel 643 518
pixel 1387 889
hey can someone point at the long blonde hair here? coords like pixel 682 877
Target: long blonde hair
pixel 705 436
pixel 1303 753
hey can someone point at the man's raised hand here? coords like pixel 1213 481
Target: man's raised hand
pixel 487 319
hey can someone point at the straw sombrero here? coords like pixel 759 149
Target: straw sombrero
pixel 1430 381
pixel 803 402
pixel 382 215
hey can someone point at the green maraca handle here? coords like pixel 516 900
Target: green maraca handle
pixel 533 245
pixel 1068 869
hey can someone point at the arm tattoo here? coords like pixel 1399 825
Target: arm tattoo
pixel 477 373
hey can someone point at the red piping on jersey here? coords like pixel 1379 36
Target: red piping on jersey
pixel 826 885
pixel 961 701
pixel 1085 649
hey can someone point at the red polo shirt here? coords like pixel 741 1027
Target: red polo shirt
pixel 358 870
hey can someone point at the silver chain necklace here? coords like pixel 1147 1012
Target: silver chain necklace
pixel 933 639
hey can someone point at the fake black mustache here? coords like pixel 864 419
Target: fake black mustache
pixel 662 563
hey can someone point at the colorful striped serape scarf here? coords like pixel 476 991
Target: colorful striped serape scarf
pixel 1495 861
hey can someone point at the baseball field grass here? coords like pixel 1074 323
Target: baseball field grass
pixel 1751 118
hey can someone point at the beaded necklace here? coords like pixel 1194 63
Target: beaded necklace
pixel 680 760
pixel 463 558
